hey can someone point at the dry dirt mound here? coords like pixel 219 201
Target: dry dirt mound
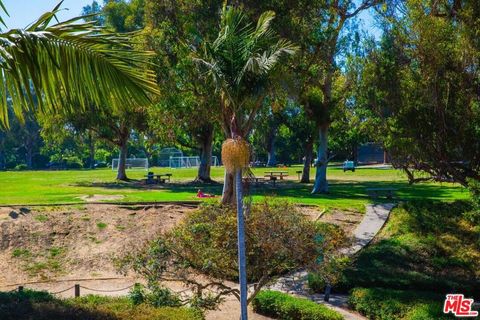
pixel 75 241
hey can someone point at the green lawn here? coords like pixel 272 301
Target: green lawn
pixel 347 189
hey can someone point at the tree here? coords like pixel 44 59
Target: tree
pixel 240 62
pixel 187 112
pixel 422 85
pixel 69 62
pixel 318 28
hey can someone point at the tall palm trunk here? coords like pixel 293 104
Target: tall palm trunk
pixel 228 193
pixel 321 183
pixel 242 259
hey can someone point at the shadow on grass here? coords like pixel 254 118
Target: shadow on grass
pixel 294 190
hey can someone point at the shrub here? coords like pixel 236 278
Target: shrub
pixel 43 306
pixel 279 239
pixel 425 246
pixel 376 303
pixel 73 162
pixel 283 306
pixel 21 167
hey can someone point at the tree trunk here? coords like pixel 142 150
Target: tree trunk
pixel 122 161
pixel 203 174
pixel 228 193
pixel 2 160
pixel 91 148
pixel 321 183
pixel 271 160
pixel 29 156
pixel 242 259
pixel 308 161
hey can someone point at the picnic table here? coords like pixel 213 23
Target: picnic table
pixel 276 174
pixel 389 193
pixel 157 178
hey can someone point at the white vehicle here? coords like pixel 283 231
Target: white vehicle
pixel 348 165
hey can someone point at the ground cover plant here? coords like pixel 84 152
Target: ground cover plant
pixel 284 306
pixel 43 306
pixel 376 303
pixel 414 262
pixel 415 251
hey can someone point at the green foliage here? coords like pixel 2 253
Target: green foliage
pixel 385 304
pixel 39 60
pixel 278 239
pixel 427 246
pixel 41 305
pixel 421 90
pixel 21 167
pixel 101 225
pixel 241 62
pixel 154 295
pixel 73 162
pixel 283 306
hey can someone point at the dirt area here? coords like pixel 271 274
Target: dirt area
pixel 52 248
pixel 75 241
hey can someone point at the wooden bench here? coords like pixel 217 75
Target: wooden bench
pixel 389 193
pixel 299 173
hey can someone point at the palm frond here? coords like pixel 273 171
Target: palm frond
pixel 71 64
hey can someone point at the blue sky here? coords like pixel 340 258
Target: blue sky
pixel 23 12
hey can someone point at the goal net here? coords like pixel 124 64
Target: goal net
pixel 132 163
pixel 189 162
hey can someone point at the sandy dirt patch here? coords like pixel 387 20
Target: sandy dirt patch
pixel 101 197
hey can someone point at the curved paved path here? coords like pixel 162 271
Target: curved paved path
pixel 296 283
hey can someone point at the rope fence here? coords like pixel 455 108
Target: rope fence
pixel 76 290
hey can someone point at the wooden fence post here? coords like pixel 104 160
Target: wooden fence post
pixel 77 290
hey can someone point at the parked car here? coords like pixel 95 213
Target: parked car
pixel 348 165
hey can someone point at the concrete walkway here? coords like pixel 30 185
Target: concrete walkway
pixel 296 283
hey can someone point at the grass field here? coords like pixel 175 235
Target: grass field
pixel 347 189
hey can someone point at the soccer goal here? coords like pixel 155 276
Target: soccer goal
pixel 132 163
pixel 189 162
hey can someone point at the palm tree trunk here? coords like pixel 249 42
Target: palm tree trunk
pixel 321 183
pixel 242 259
pixel 228 193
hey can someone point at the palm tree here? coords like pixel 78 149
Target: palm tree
pixel 241 61
pixel 69 65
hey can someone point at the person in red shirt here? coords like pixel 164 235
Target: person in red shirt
pixel 201 194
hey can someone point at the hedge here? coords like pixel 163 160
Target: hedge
pixel 387 304
pixel 283 306
pixel 43 306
